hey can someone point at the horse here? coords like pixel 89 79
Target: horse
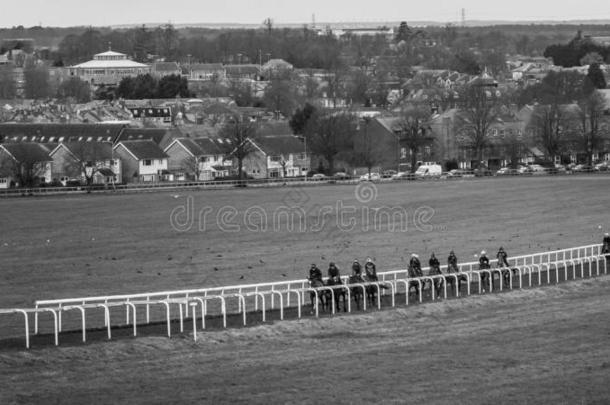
pixel 323 295
pixel 452 268
pixel 338 291
pixel 438 281
pixel 356 291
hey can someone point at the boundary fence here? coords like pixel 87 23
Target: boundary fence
pixel 267 183
pixel 264 296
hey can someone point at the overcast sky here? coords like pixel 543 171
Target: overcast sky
pixel 114 12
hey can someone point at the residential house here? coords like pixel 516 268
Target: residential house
pixel 161 69
pixel 506 140
pixel 160 136
pixel 142 161
pixel 206 71
pixel 276 156
pixel 57 132
pixel 245 72
pixel 160 116
pixel 24 164
pixel 275 66
pixel 197 158
pixel 86 160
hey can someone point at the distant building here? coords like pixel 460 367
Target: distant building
pixel 197 158
pixel 108 68
pixel 24 160
pixel 206 71
pixel 142 161
pixel 161 69
pixel 71 160
pixel 159 115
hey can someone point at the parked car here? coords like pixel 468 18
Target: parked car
pixel 482 171
pixel 387 174
pixel 459 173
pixel 403 176
pixel 372 177
pixel 583 168
pixel 507 171
pixel 341 176
pixel 319 176
pixel 602 167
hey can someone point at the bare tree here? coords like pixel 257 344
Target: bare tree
pixel 367 150
pixel 412 129
pixel 592 124
pixel 334 77
pixel 89 158
pixel 548 126
pixel 328 133
pixel 239 132
pixel 192 165
pixel 477 112
pixel 281 93
pixel 26 163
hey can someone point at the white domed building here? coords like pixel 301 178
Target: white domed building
pixel 108 68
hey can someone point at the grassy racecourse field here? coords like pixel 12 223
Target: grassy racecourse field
pixel 546 345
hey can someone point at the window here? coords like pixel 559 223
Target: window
pixel 147 162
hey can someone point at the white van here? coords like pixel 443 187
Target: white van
pixel 429 170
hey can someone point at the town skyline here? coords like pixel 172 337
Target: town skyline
pixel 64 13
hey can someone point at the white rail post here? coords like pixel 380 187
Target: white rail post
pixel 281 299
pixel 35 320
pixel 193 306
pixel 83 322
pixel 59 320
pixel 133 308
pixel 106 318
pixel 223 308
pixel 262 297
pixel 243 312
pixel 167 313
pixel 180 312
pixel 272 296
pixel 27 325
pixel 200 300
pixel 148 309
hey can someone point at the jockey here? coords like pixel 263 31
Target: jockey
pixel 415 266
pixel 370 270
pixel 356 269
pixel 414 272
pixel 483 265
pixel 333 271
pixel 503 262
pixel 606 242
pixel 483 261
pixel 314 273
pixel 502 258
pixel 452 263
pixel 435 266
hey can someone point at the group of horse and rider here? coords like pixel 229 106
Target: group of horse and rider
pixel 368 273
